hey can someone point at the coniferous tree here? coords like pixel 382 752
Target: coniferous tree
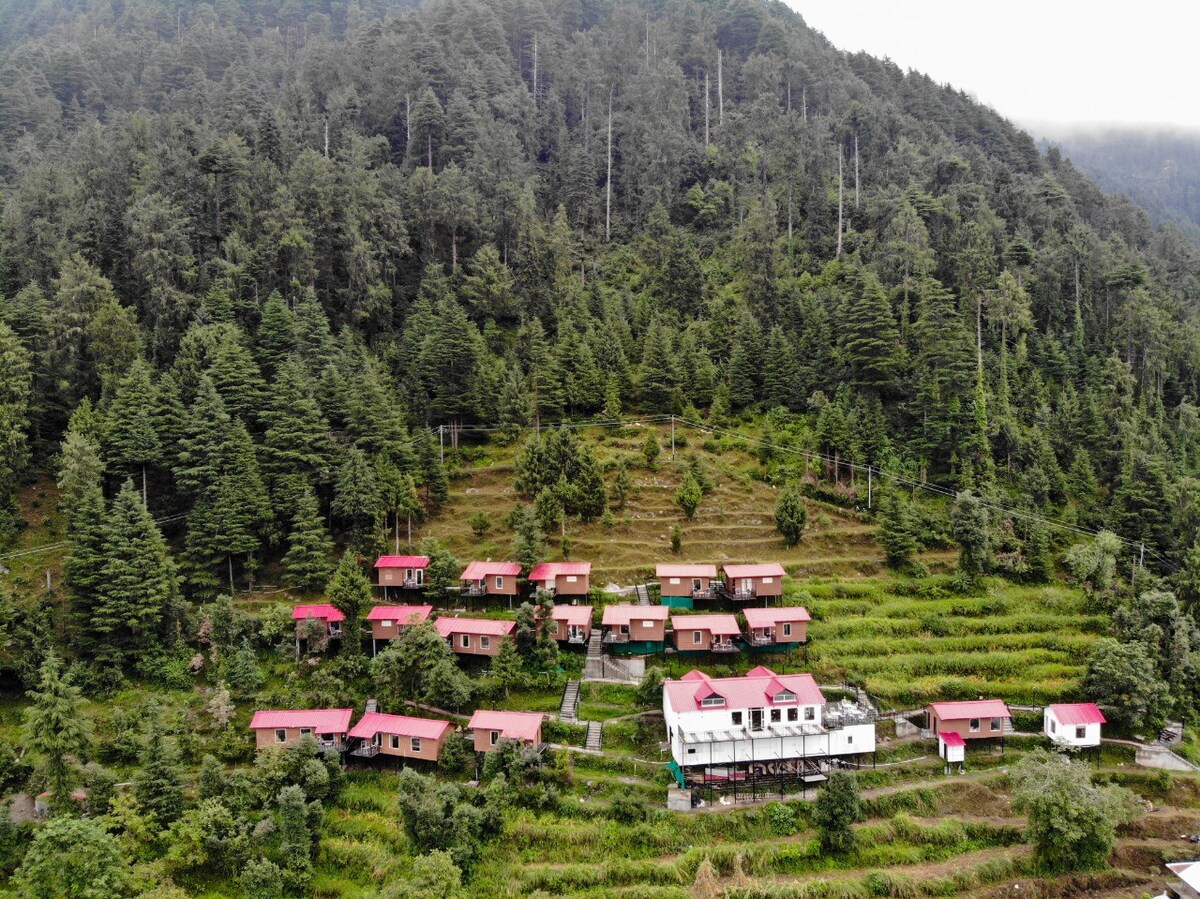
pixel 356 497
pixel 138 590
pixel 158 783
pixel 16 385
pixel 308 563
pixel 276 336
pixel 241 506
pixel 349 592
pixel 791 516
pixel 132 441
pixel 57 732
pixel 897 531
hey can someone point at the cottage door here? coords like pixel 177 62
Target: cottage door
pixel 756 719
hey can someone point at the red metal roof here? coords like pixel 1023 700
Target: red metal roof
pixel 487 627
pixel 403 614
pixel 950 738
pixel 740 692
pixel 402 562
pixel 512 725
pixel 714 624
pixel 322 721
pixel 324 612
pixel 572 614
pixel 373 723
pixel 768 569
pixel 759 618
pixel 477 571
pixel 1078 713
pixel 548 571
pixel 975 708
pixel 623 614
pixel 708 571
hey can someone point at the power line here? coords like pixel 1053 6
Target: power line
pixel 63 543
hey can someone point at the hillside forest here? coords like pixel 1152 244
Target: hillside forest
pixel 273 274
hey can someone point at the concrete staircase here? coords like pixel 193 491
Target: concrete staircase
pixel 643 595
pixel 595 732
pixel 595 645
pixel 570 701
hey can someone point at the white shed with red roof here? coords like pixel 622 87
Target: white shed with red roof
pixel 1073 724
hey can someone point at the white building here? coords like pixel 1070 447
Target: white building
pixel 761 724
pixel 1073 725
pixel 952 747
pixel 1188 884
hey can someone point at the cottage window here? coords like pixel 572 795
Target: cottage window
pixel 416 744
pixel 571 578
pixel 697 586
pixel 793 714
pixel 466 641
pixel 1080 733
pixel 973 725
pixel 712 701
pixel 785 696
pixel 737 718
pixel 485 642
pixel 420 575
pixel 768 580
pixel 696 637
pixel 394 741
pixel 996 725
pixel 787 628
pixel 305 732
pixel 280 735
pixel 495 737
pixel 776 715
pixel 1053 726
pixel 624 628
pixel 387 623
pixel 674 580
pixel 499 582
pixel 692 751
pixel 849 739
pixel 810 713
pixel 644 624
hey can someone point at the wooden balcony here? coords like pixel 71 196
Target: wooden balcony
pixel 714 591
pixel 738 594
pixel 616 637
pixel 725 646
pixel 334 745
pixel 579 640
pixel 473 590
pixel 366 751
pixel 758 640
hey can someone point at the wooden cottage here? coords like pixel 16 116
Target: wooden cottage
pixel 705 633
pixel 330 617
pixel 389 622
pixel 490 727
pixel 979 719
pixel 490 579
pixel 562 578
pixel 571 624
pixel 288 727
pixel 635 629
pixel 779 627
pixel 475 636
pixel 400 736
pixel 748 582
pixel 681 585
pixel 401 573
pixel 1075 725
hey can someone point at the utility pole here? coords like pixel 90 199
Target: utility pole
pixel 706 105
pixel 840 204
pixel 720 91
pixel 442 444
pixel 608 179
pixel 672 438
pixel 870 486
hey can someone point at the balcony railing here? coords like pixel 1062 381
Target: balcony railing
pixel 616 637
pixel 331 745
pixel 474 590
pixel 712 591
pixel 761 640
pixel 725 646
pixel 367 750
pixel 738 593
pixel 576 639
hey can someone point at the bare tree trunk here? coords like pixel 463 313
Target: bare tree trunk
pixel 720 90
pixel 804 102
pixel 979 330
pixel 429 150
pixel 407 120
pixel 706 105
pixel 454 249
pixel 608 179
pixel 841 212
pixel 409 529
pixel 855 169
pixel 326 137
pixel 145 495
pixel 789 95
pixel 789 213
pixel 535 70
pixel 229 556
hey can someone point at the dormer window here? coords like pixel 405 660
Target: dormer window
pixel 709 701
pixel 785 696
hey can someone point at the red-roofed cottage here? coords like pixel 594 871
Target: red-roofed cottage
pixel 304 616
pixel 389 622
pixel 571 624
pixel 401 572
pixel 951 747
pixel 779 627
pixel 475 636
pixel 288 727
pixel 490 579
pixel 401 736
pixel 747 582
pixel 1074 725
pixel 977 719
pixel 635 629
pixel 562 578
pixel 759 725
pixel 490 727
pixel 705 633
pixel 681 585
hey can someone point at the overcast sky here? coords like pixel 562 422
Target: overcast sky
pixel 1036 62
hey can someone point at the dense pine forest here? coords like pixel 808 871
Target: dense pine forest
pixel 269 270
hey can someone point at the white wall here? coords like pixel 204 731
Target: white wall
pixel 1064 734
